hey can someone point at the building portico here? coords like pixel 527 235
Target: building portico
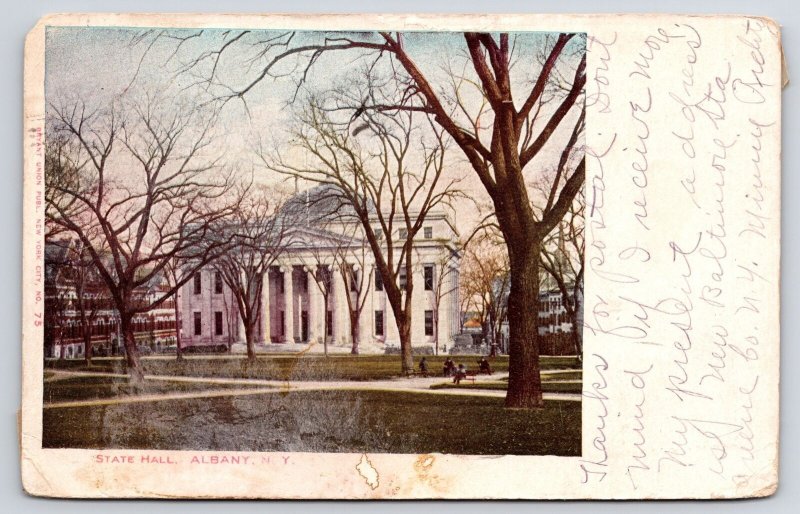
pixel 304 295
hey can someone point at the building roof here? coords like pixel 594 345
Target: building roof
pixel 472 323
pixel 321 203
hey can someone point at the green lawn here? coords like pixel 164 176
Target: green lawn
pixel 547 386
pixel 93 388
pixel 563 375
pixel 292 367
pixel 322 421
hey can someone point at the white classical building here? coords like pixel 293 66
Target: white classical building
pixel 293 306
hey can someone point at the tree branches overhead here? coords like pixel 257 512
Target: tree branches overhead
pixel 134 183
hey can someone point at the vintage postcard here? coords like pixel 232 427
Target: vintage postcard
pixel 396 256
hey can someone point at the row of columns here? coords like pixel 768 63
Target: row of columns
pixel 314 306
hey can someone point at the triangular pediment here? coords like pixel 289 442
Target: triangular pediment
pixel 307 237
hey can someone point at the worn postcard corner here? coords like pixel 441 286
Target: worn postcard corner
pixel 401 256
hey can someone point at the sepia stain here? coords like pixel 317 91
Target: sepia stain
pixel 368 471
pixel 423 467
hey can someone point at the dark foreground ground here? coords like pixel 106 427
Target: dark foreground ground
pixel 315 421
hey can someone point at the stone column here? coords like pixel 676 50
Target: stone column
pixel 358 271
pixel 313 305
pixel 333 293
pixel 265 315
pixel 342 309
pixel 288 300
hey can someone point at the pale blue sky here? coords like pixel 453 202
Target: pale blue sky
pixel 97 64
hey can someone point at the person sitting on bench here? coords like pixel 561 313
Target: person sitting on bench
pixel 423 367
pixel 484 367
pixel 460 374
pixel 449 367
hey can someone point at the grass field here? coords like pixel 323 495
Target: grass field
pixel 292 367
pixel 93 388
pixel 547 386
pixel 322 421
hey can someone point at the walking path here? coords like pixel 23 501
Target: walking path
pixel 414 385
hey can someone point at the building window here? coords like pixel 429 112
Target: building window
pixel 428 271
pixel 218 323
pixel 353 274
pixel 428 323
pixel 281 282
pixel 283 323
pixel 305 282
pixel 379 323
pixel 428 232
pixel 403 279
pixel 378 281
pixel 378 232
pixel 198 324
pixel 403 233
pixel 329 323
pixel 197 283
pixel 217 283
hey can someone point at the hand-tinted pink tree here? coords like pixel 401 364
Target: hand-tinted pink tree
pixel 146 188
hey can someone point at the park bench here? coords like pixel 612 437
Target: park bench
pixel 470 375
pixel 414 373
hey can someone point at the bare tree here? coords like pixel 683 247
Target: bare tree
pixel 73 285
pixel 356 275
pixel 55 319
pixel 173 272
pixel 390 181
pixel 323 278
pixel 260 233
pixel 486 280
pixel 63 172
pixel 445 283
pixel 148 192
pixel 90 294
pixel 501 101
pixel 562 258
pixel 231 320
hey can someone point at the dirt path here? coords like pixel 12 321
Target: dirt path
pixel 413 385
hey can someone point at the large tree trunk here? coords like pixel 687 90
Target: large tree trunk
pixel 524 379
pixel 87 346
pixel 576 341
pixel 354 315
pixel 132 361
pixel 250 339
pixel 404 330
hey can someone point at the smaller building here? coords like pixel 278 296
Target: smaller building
pixel 553 317
pixel 69 321
pixel 555 326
